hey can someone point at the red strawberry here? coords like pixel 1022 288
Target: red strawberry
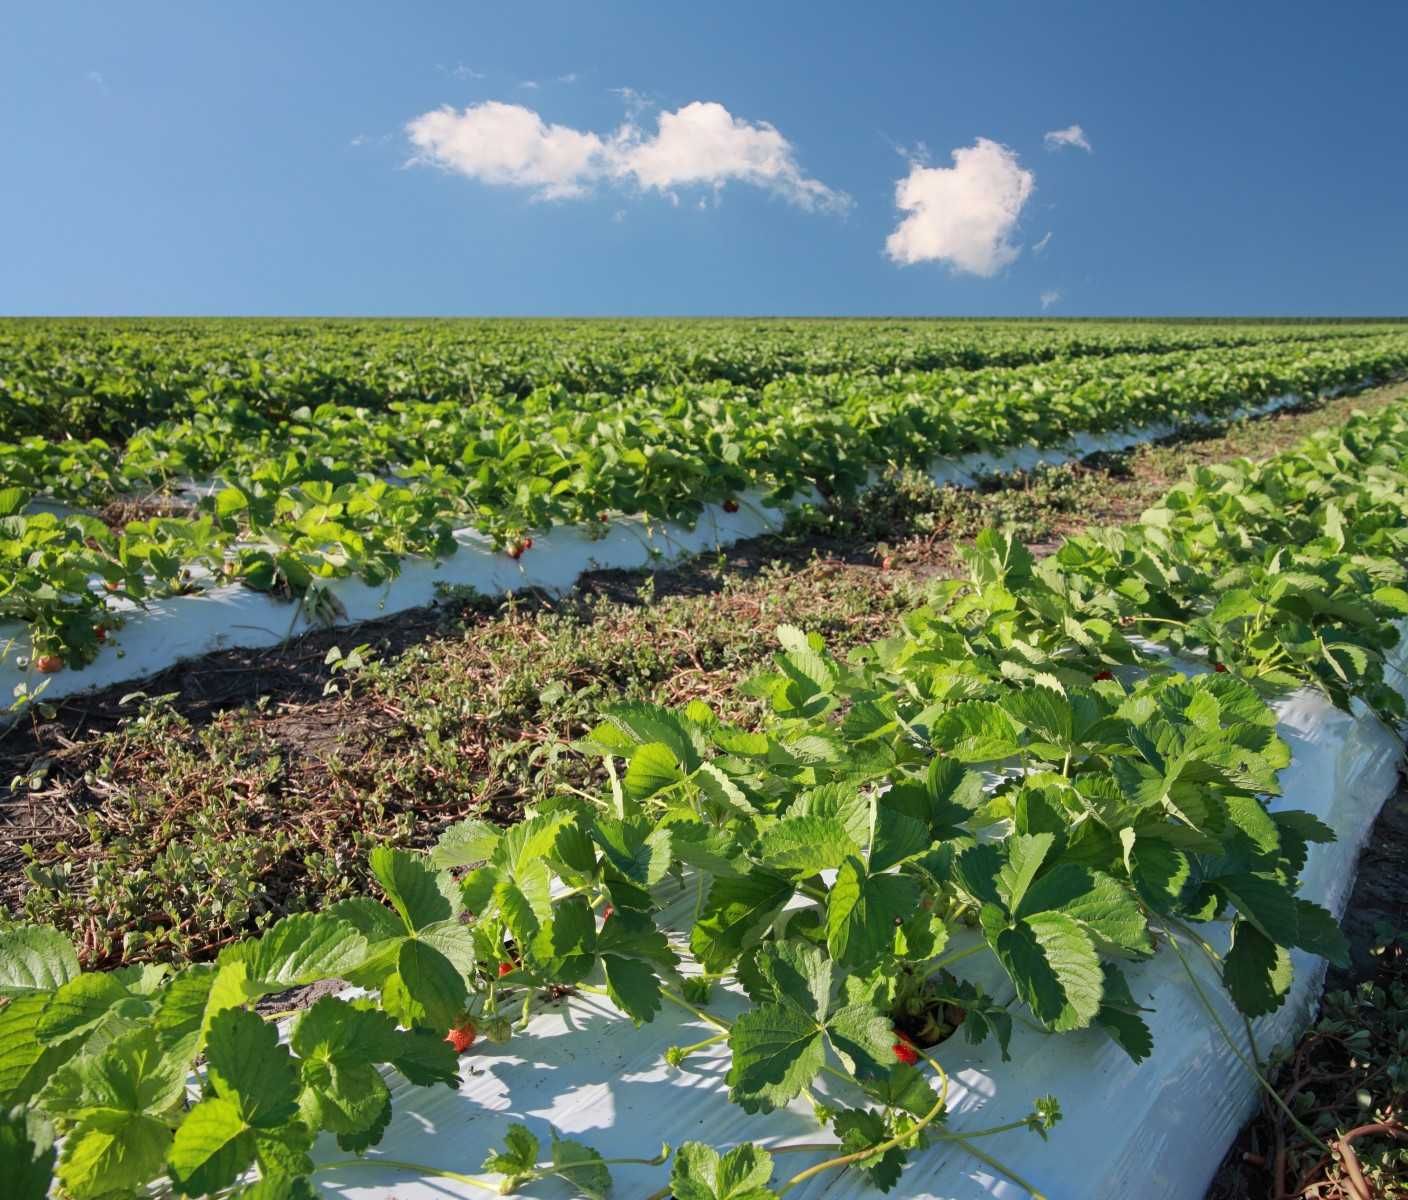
pixel 111 586
pixel 101 632
pixel 49 663
pixel 527 543
pixel 504 969
pixel 461 1036
pixel 1219 668
pixel 514 549
pixel 1101 676
pixel 730 505
pixel 905 1052
pixel 606 912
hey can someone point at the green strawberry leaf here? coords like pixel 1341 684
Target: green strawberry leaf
pixel 1055 967
pixel 581 1166
pixel 305 948
pixel 519 1156
pixel 863 910
pixel 736 914
pixel 701 1173
pixel 35 958
pixel 1256 971
pixel 26 1153
pixel 419 895
pixel 212 1147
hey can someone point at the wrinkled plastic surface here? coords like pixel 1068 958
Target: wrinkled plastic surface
pixel 229 617
pixel 1155 1130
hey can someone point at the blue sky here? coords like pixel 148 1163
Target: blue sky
pixel 646 158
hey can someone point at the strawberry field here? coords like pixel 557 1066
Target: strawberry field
pixel 883 852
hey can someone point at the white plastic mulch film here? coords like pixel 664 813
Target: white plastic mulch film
pixel 227 617
pixel 1155 1130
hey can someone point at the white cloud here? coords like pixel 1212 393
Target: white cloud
pixel 97 80
pixel 1049 298
pixel 570 77
pixel 704 144
pixel 530 84
pixel 1038 247
pixel 699 145
pixel 1072 135
pixel 965 214
pixel 509 145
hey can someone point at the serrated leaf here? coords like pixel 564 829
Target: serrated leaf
pixel 26 1064
pixel 248 1066
pixel 776 1053
pixel 565 948
pixel 975 731
pixel 1119 1017
pixel 213 1146
pixel 735 916
pixel 1256 971
pixel 903 1087
pixel 1160 873
pixel 634 849
pixel 976 871
pixel 417 893
pixel 806 845
pixel 305 948
pixel 519 1155
pixel 863 911
pixel 1055 968
pixel 651 768
pixel 859 1131
pixel 426 989
pixel 1319 933
pixel 1267 903
pixel 1025 854
pixel 797 974
pixel 701 1173
pixel 1105 909
pixel 82 1003
pixel 720 789
pixel 863 1039
pixel 119 1154
pixel 465 844
pixel 582 1167
pixel 35 958
pixel 26 1154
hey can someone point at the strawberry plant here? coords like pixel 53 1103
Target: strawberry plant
pixel 1033 775
pixel 291 495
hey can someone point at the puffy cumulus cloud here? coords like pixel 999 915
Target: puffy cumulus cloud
pixel 509 145
pixel 1072 135
pixel 965 214
pixel 699 145
pixel 1049 298
pixel 704 144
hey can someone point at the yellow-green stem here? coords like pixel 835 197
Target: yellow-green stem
pixel 396 1164
pixel 884 1147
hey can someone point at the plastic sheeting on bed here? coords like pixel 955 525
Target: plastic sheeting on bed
pixel 226 616
pixel 1155 1130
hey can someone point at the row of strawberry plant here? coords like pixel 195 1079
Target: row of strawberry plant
pixel 107 378
pixel 741 432
pixel 1019 772
pixel 302 502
